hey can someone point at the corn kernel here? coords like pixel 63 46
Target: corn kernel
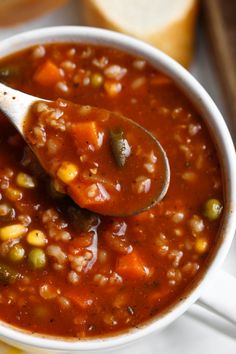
pixel 12 232
pixel 13 194
pixel 201 245
pixel 96 80
pixel 25 181
pixel 36 238
pixel 83 158
pixel 67 172
pixel 112 88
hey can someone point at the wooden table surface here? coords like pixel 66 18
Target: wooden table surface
pixel 220 24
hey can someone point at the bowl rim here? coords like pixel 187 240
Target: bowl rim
pixel 217 126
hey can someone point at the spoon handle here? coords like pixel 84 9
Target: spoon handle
pixel 15 105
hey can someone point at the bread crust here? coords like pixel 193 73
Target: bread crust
pixel 13 12
pixel 176 40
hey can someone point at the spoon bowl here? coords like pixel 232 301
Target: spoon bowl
pixel 122 173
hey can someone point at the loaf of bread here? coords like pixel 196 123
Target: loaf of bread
pixel 167 24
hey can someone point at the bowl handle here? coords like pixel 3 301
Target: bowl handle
pixel 220 296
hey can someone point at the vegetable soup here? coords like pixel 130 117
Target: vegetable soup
pixel 70 272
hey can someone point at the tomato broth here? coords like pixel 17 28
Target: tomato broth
pixel 67 271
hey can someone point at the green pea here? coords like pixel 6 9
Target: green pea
pixel 37 258
pixel 212 209
pixel 96 80
pixel 82 219
pixel 16 253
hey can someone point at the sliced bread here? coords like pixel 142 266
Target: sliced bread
pixel 167 24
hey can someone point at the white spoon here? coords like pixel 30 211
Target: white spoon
pixel 16 106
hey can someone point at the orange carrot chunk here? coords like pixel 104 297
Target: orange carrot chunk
pixel 87 195
pixel 48 74
pixel 132 266
pixel 80 298
pixel 160 80
pixel 85 135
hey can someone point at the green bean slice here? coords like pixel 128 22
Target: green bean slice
pixel 82 220
pixel 7 274
pixel 120 147
pixel 9 72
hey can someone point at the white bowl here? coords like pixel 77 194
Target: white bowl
pixel 217 127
